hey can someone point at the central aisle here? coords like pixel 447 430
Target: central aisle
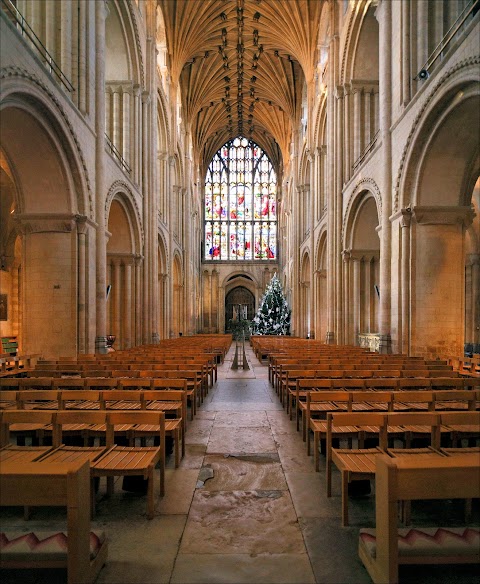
pixel 255 513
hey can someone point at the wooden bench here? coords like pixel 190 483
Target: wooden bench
pixel 48 484
pixel 383 549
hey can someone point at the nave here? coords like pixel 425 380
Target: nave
pixel 246 505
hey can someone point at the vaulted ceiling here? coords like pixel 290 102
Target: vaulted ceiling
pixel 241 66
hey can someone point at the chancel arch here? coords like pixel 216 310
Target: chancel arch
pixel 239 305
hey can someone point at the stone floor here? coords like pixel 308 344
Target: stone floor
pixel 245 506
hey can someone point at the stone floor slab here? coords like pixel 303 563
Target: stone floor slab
pixel 198 431
pixel 179 488
pixel 241 419
pixel 244 473
pixel 240 441
pixel 242 569
pixel 238 522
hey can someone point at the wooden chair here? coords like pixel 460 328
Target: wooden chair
pixel 353 464
pixel 41 484
pixel 382 550
pixel 87 399
pixel 37 399
pixel 23 424
pixel 70 383
pixel 133 460
pixel 118 399
pixel 324 402
pixel 8 399
pixel 169 402
pixel 461 425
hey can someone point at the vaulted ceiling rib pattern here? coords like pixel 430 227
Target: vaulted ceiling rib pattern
pixel 240 66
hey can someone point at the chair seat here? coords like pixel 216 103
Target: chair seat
pixel 127 460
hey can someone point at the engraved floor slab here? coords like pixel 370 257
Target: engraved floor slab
pixel 240 441
pixel 239 522
pixel 246 473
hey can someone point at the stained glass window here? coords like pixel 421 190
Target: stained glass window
pixel 240 204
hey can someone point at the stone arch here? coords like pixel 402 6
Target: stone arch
pixel 361 266
pixel 47 199
pixel 19 86
pixel 440 168
pixel 305 324
pixel 123 277
pixel 320 304
pixel 163 314
pixel 177 298
pixel 238 296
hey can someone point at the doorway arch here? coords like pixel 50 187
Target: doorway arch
pixel 239 296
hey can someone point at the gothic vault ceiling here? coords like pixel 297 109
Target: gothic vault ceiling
pixel 241 66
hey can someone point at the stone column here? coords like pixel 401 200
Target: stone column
pixel 337 212
pixel 146 186
pixel 101 243
pixel 438 297
pixel 127 338
pixel 384 16
pixel 347 297
pixel 347 172
pixel 357 123
pixel 405 51
pixel 117 300
pixel 356 305
pixel 475 263
pixel 405 280
pixel 81 299
pixel 138 259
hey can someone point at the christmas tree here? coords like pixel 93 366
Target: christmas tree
pixel 273 315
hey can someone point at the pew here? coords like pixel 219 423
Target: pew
pixel 383 549
pixel 49 484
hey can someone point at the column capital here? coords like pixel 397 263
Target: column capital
pixel 404 217
pixel 347 255
pixel 443 215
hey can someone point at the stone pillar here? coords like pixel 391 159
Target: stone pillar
pixel 347 297
pixel 405 52
pixel 384 16
pixel 116 300
pixel 475 305
pixel 81 300
pixel 101 242
pixel 438 297
pixel 405 281
pixel 347 121
pixel 357 123
pixel 138 299
pixel 127 337
pixel 337 212
pixel 356 305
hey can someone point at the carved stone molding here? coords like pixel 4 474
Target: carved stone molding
pixel 45 223
pixel 17 72
pixel 443 215
pixel 404 217
pixel 435 91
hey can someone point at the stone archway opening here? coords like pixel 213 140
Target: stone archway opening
pixel 239 304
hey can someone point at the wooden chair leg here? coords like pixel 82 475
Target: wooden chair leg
pixel 316 449
pixel 150 497
pixel 344 499
pixel 110 485
pixel 177 451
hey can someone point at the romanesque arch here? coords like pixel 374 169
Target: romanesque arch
pixel 44 195
pixel 361 270
pixel 123 271
pixel 437 193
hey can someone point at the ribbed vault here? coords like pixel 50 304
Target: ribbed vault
pixel 241 66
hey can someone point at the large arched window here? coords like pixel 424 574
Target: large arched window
pixel 240 204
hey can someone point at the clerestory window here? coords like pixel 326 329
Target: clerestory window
pixel 240 204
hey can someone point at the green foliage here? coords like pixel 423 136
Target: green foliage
pixel 239 328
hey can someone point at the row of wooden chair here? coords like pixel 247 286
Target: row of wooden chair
pixel 108 460
pixel 359 463
pixel 297 396
pixel 172 403
pixel 320 404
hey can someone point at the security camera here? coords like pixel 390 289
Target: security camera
pixel 424 74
